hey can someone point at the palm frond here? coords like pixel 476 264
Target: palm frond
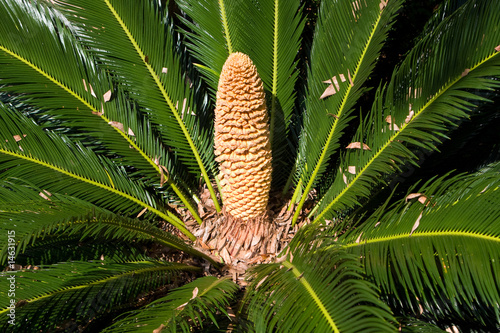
pixel 152 161
pixel 347 41
pixel 53 73
pixel 438 84
pixel 412 325
pixel 445 9
pixel 55 164
pixel 24 210
pixel 38 218
pixel 182 309
pixel 317 288
pixel 53 249
pixel 135 43
pixel 434 253
pixel 80 290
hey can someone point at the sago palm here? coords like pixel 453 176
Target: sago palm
pixel 232 166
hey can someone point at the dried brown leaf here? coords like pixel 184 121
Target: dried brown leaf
pixel 180 307
pixel 413 196
pixel 164 174
pixel 195 292
pixel 465 72
pixel 142 212
pixel 410 115
pixel 359 238
pixel 117 125
pixel 357 145
pixel 92 91
pixel 99 113
pixel 417 223
pixel 423 200
pixel 45 194
pixel 161 327
pixel 330 90
pixel 392 126
pixel 336 83
pixel 162 177
pixel 107 96
pixel 356 5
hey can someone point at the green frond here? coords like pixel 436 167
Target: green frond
pixel 412 325
pixel 24 210
pixel 272 40
pixel 151 159
pixel 445 9
pixel 182 309
pixel 79 291
pixel 32 226
pixel 212 26
pixel 53 249
pixel 134 41
pixel 421 104
pixel 315 289
pixel 347 42
pixel 34 218
pixel 435 255
pixel 53 73
pixel 57 165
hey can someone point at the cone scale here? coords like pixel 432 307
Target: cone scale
pixel 242 143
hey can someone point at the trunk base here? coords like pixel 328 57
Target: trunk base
pixel 240 244
pixel 234 239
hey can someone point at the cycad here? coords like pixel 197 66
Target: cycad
pixel 115 183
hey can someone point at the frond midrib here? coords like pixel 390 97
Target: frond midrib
pixel 303 280
pixel 167 98
pixel 111 189
pixel 335 123
pixel 274 86
pixel 394 137
pixel 424 234
pixel 82 100
pixel 225 25
pixel 95 111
